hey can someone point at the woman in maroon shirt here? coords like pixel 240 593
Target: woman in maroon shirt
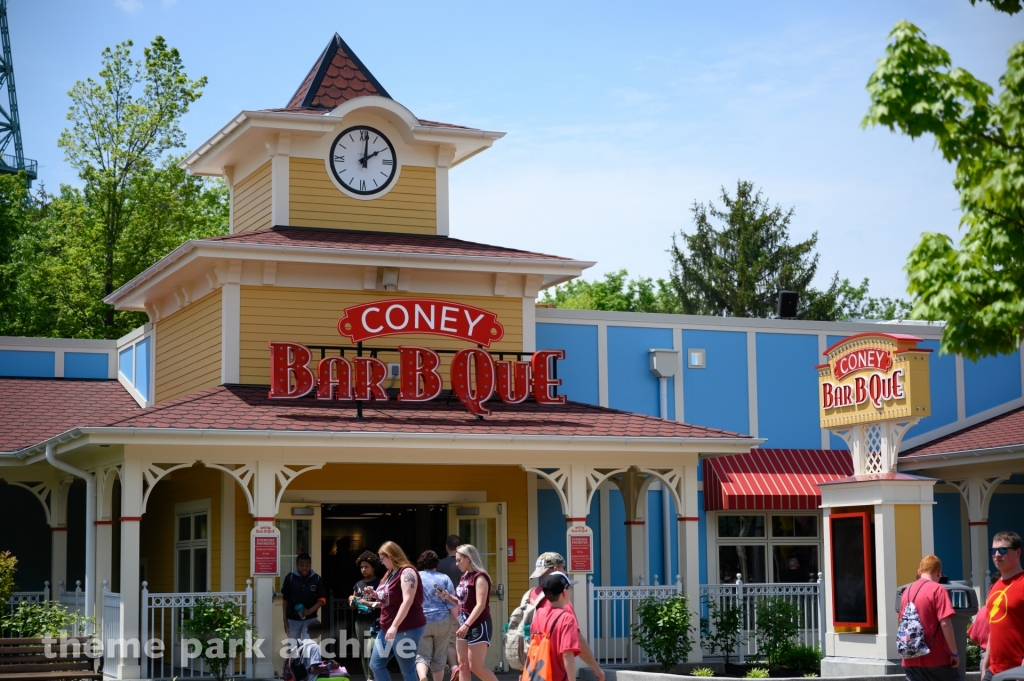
pixel 474 635
pixel 402 622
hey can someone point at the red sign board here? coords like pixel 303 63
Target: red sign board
pixel 474 376
pixel 420 315
pixel 862 359
pixel 580 541
pixel 265 550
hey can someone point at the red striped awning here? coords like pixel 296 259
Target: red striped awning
pixel 772 479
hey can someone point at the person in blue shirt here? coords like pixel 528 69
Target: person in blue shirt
pixel 432 654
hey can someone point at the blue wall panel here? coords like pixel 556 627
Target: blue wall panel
pixel 617 538
pixel 946 524
pixel 550 522
pixel 126 363
pixel 85 365
pixel 594 523
pixel 27 363
pixel 656 537
pixel 717 396
pixel 1006 512
pixel 142 372
pixel 631 385
pixel 991 381
pixel 942 372
pixel 702 533
pixel 787 389
pixel 578 371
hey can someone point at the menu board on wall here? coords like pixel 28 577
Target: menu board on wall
pixel 853 583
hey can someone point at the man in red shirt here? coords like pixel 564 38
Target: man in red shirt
pixel 560 624
pixel 1005 608
pixel 935 611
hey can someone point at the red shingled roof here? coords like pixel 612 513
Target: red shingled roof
pixel 1005 430
pixel 239 407
pixel 35 409
pixel 337 76
pixel 309 237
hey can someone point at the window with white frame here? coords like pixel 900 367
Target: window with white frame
pixel 766 547
pixel 192 546
pixel 296 538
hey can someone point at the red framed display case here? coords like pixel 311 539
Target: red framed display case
pixel 851 548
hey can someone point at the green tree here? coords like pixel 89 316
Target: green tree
pixel 739 268
pixel 71 249
pixel 615 293
pixel 977 288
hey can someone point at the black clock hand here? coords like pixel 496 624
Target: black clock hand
pixel 366 149
pixel 371 156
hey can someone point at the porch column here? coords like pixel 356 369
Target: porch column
pixel 265 500
pixel 630 484
pixel 577 515
pixel 689 547
pixel 104 545
pixel 977 492
pixel 131 518
pixel 58 536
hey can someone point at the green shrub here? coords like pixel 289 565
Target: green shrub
pixel 722 629
pixel 778 623
pixel 214 624
pixel 974 653
pixel 8 566
pixel 756 673
pixel 664 630
pixel 803 659
pixel 38 620
pixel 703 671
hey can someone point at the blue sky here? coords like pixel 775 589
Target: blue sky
pixel 619 115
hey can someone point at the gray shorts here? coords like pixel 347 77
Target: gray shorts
pixel 433 648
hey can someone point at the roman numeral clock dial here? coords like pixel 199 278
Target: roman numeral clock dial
pixel 363 160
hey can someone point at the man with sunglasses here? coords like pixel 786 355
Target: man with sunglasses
pixel 1005 608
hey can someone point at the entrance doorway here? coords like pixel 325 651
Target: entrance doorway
pixel 349 529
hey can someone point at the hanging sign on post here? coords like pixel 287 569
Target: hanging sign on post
pixel 580 541
pixel 265 551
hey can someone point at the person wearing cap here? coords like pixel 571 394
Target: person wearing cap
pixel 548 563
pixel 558 621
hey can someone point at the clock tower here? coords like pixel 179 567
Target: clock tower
pixel 342 154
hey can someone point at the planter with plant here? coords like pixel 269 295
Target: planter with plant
pixel 221 631
pixel 50 620
pixel 778 623
pixel 664 630
pixel 722 629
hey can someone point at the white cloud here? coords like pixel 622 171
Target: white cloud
pixel 130 6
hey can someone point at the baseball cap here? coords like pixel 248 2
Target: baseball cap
pixel 546 562
pixel 555 583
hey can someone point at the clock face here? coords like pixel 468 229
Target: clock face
pixel 363 160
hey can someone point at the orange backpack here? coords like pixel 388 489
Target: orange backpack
pixel 539 656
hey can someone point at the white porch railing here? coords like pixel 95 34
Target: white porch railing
pixel 110 629
pixel 806 596
pixel 19 597
pixel 74 601
pixel 162 615
pixel 613 612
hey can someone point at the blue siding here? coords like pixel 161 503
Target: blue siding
pixel 717 395
pixel 702 534
pixel 631 385
pixel 126 363
pixel 787 389
pixel 617 538
pixel 142 367
pixel 550 522
pixel 656 536
pixel 27 363
pixel 1006 512
pixel 578 371
pixel 594 523
pixel 991 381
pixel 946 524
pixel 942 374
pixel 85 365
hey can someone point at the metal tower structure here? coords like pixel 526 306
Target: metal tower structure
pixel 10 124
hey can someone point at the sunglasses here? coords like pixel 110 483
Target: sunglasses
pixel 1000 550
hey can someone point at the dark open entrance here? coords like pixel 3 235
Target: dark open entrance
pixel 349 529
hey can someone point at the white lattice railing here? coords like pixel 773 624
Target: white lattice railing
pixel 162 615
pixel 612 612
pixel 806 596
pixel 19 597
pixel 74 601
